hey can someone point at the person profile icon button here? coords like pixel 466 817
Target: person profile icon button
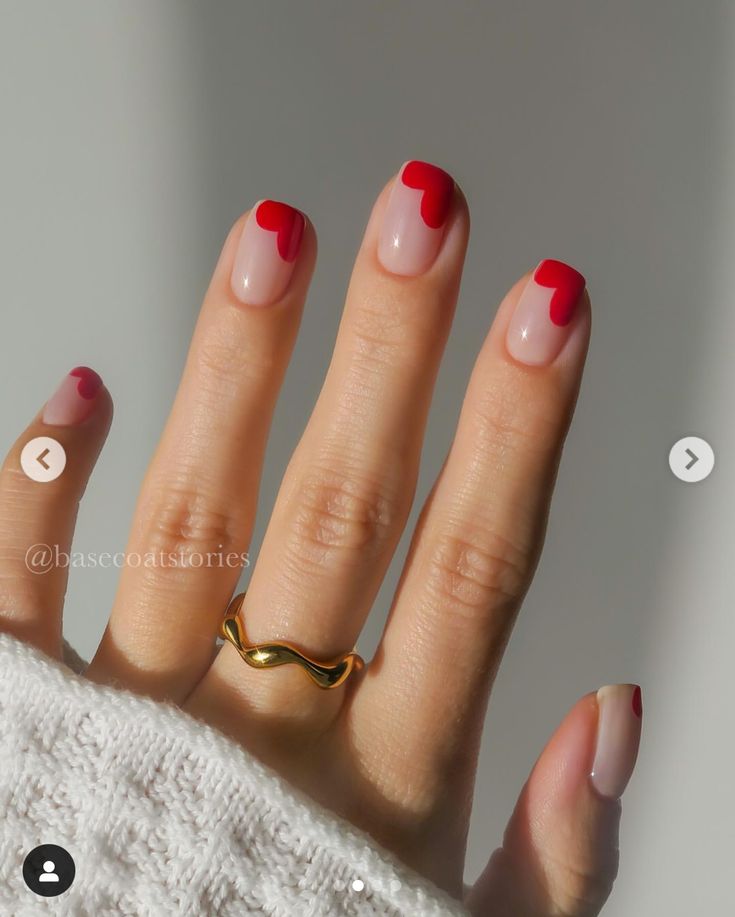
pixel 48 874
pixel 48 870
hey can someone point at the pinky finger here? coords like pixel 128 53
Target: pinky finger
pixel 560 850
pixel 38 508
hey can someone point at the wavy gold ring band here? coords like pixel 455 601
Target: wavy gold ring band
pixel 268 655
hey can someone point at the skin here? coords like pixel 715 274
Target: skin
pixel 370 750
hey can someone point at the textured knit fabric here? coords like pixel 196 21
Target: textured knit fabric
pixel 165 816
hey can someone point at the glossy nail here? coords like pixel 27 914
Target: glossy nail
pixel 620 716
pixel 541 322
pixel 267 252
pixel 415 218
pixel 74 400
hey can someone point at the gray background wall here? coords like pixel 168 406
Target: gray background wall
pixel 134 133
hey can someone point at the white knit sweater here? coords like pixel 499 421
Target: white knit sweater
pixel 141 795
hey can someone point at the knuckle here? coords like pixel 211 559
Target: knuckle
pixel 223 359
pixel 20 599
pixel 560 886
pixel 341 514
pixel 217 360
pixel 14 481
pixel 379 338
pixel 477 570
pixel 186 521
pixel 578 890
pixel 503 422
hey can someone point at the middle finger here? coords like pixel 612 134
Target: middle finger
pixel 349 486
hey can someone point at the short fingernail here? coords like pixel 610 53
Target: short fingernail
pixel 620 716
pixel 415 218
pixel 267 252
pixel 74 400
pixel 541 322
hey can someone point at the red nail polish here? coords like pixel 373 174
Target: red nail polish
pixel 74 400
pixel 637 702
pixel 287 222
pixel 437 187
pixel 89 382
pixel 412 230
pixel 567 284
pixel 618 738
pixel 538 328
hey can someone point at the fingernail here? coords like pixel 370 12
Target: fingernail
pixel 620 716
pixel 415 218
pixel 74 400
pixel 541 322
pixel 267 252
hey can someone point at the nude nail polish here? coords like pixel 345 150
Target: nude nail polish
pixel 415 219
pixel 267 252
pixel 541 322
pixel 74 400
pixel 620 716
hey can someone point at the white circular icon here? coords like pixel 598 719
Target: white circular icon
pixel 691 459
pixel 43 459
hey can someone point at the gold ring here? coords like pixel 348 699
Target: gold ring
pixel 267 655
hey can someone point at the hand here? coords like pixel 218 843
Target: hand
pixel 394 748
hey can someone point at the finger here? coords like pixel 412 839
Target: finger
pixel 348 490
pixel 37 517
pixel 560 850
pixel 195 515
pixel 478 538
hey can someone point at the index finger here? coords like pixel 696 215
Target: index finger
pixel 479 536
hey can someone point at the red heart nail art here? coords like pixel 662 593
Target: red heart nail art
pixel 89 382
pixel 637 702
pixel 567 284
pixel 287 222
pixel 437 186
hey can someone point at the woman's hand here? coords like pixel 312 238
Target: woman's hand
pixel 394 748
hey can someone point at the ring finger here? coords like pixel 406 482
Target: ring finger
pixel 195 514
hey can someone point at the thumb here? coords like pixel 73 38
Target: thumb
pixel 560 850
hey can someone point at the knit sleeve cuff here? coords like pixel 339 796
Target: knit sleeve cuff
pixel 165 816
